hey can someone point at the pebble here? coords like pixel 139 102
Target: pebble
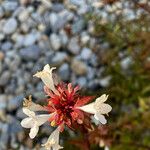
pixel 82 70
pixel 73 46
pixel 31 38
pixel 55 41
pixel 3 101
pixel 78 26
pixel 64 72
pixel 10 26
pixel 30 53
pixel 59 58
pixel 15 102
pixel 86 53
pixel 4 78
pixel 1 12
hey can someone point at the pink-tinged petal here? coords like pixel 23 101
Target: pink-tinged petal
pixel 28 112
pixel 46 77
pixel 88 108
pixel 102 98
pixel 33 131
pixel 100 118
pixel 27 123
pixel 41 119
pixel 103 108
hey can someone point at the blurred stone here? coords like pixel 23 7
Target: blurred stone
pixel 57 7
pixel 31 38
pixel 14 103
pixel 6 46
pixel 55 41
pixel 3 101
pixel 10 5
pixel 10 26
pixel 30 53
pixel 59 58
pixel 78 26
pixel 86 53
pixel 64 72
pixel 82 81
pixel 4 78
pixel 79 67
pixel 73 45
pixel 14 125
pixel 24 15
pixel 1 12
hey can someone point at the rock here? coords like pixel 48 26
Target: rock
pixel 86 53
pixel 14 103
pixel 4 136
pixel 31 38
pixel 64 72
pixel 105 81
pixel 53 19
pixel 14 125
pixel 78 2
pixel 55 41
pixel 2 36
pixel 1 12
pixel 79 67
pixel 63 37
pixel 78 26
pixel 4 78
pixel 10 26
pixel 59 58
pixel 24 15
pixel 84 38
pixel 57 7
pixel 63 17
pixel 20 114
pixel 6 46
pixel 126 62
pixel 94 85
pixel 3 101
pixel 82 81
pixel 73 46
pixel 30 53
pixel 18 39
pixel 10 6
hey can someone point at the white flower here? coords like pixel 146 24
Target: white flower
pixel 98 108
pixel 53 141
pixel 29 104
pixel 46 77
pixel 33 121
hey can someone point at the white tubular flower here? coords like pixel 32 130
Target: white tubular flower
pixel 98 108
pixel 46 77
pixel 53 141
pixel 29 104
pixel 33 121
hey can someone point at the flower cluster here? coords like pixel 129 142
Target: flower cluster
pixel 64 107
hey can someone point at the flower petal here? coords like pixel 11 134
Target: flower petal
pixel 29 104
pixel 102 98
pixel 27 123
pixel 88 108
pixel 28 112
pixel 103 108
pixel 41 119
pixel 46 77
pixel 100 118
pixel 53 141
pixel 33 131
